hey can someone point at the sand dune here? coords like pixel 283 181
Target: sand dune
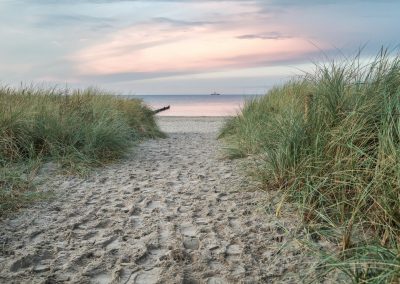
pixel 171 212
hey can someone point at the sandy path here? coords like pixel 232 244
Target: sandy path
pixel 173 212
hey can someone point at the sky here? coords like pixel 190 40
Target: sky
pixel 184 46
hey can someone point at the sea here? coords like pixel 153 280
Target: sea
pixel 197 105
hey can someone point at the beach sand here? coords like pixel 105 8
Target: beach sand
pixel 173 211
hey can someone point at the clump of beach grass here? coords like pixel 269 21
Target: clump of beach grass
pixel 77 129
pixel 330 140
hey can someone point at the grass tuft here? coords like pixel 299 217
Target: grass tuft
pixel 331 140
pixel 77 129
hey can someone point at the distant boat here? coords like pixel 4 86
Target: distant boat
pixel 215 94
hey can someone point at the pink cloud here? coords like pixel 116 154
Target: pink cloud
pixel 157 47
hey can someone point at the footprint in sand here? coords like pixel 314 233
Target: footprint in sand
pixel 151 256
pixel 148 277
pixel 188 230
pixel 171 212
pixel 153 204
pixel 233 251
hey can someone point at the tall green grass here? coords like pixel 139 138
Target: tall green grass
pixel 76 129
pixel 331 141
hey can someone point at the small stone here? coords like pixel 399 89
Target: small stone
pixel 201 221
pixel 41 268
pixel 56 208
pixel 233 250
pixel 103 179
pixel 191 243
pixel 58 278
pixel 213 247
pixel 215 280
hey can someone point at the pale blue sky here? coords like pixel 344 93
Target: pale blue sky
pixel 183 47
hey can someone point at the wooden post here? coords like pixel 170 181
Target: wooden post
pixel 161 109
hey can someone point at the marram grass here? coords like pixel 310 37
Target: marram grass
pixel 331 141
pixel 76 129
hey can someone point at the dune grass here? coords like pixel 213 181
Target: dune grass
pixel 330 140
pixel 76 129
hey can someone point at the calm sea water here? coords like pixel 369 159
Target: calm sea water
pixel 196 105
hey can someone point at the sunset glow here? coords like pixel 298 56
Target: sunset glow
pixel 153 46
pixel 197 50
